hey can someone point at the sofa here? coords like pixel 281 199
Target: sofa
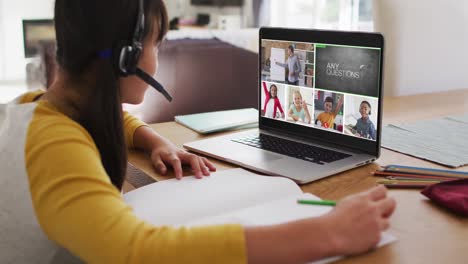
pixel 204 74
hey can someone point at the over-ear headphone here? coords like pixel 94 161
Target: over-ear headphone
pixel 129 55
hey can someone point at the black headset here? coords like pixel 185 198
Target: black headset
pixel 129 55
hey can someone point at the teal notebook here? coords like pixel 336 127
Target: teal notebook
pixel 220 121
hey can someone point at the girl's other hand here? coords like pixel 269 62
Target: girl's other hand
pixel 304 105
pixel 168 154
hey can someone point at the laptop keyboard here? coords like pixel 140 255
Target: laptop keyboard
pixel 292 148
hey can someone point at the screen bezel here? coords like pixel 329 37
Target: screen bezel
pixel 363 39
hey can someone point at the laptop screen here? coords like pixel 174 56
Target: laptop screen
pixel 328 88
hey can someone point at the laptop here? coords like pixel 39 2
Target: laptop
pixel 320 106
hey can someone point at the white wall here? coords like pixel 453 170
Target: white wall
pixel 426 45
pixel 12 12
pixel 183 8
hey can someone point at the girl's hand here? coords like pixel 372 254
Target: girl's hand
pixel 357 221
pixel 304 105
pixel 167 154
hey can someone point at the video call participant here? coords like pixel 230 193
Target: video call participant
pixel 298 110
pixel 327 118
pixel 364 127
pixel 293 66
pixel 272 102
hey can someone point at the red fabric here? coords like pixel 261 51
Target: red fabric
pixel 452 195
pixel 277 104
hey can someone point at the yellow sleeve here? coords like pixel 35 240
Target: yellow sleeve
pixel 78 207
pixel 131 124
pixel 30 96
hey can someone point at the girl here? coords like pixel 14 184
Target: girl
pixel 298 111
pixel 272 102
pixel 64 154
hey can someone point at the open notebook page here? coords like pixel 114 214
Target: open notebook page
pixel 272 212
pixel 280 211
pixel 384 240
pixel 229 196
pixel 174 202
pixel 277 212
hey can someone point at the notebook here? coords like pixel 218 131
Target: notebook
pixel 210 122
pixel 228 196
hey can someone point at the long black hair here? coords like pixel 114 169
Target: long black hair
pixel 84 28
pixel 271 88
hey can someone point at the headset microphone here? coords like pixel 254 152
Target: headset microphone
pixel 130 54
pixel 151 81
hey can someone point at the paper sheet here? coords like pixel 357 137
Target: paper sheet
pixel 227 196
pixel 220 120
pixel 174 202
pixel 385 240
pixel 278 73
pixel 267 214
pixel 443 140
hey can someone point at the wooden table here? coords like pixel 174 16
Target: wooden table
pixel 425 232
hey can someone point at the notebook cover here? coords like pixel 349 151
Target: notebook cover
pixel 219 121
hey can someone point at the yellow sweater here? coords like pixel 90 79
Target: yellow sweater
pixel 77 206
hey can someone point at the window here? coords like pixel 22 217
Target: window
pixel 324 14
pixel 2 58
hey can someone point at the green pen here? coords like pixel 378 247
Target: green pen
pixel 316 202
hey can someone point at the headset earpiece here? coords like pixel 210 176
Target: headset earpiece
pixel 137 45
pixel 128 59
pixel 129 55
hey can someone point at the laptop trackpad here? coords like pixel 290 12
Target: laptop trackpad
pixel 257 157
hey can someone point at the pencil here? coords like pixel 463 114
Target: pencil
pixel 414 179
pixel 406 181
pixel 428 176
pixel 406 186
pixel 426 171
pixel 316 202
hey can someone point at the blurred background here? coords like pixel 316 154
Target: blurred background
pixel 425 43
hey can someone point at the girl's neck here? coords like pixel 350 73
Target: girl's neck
pixel 66 96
